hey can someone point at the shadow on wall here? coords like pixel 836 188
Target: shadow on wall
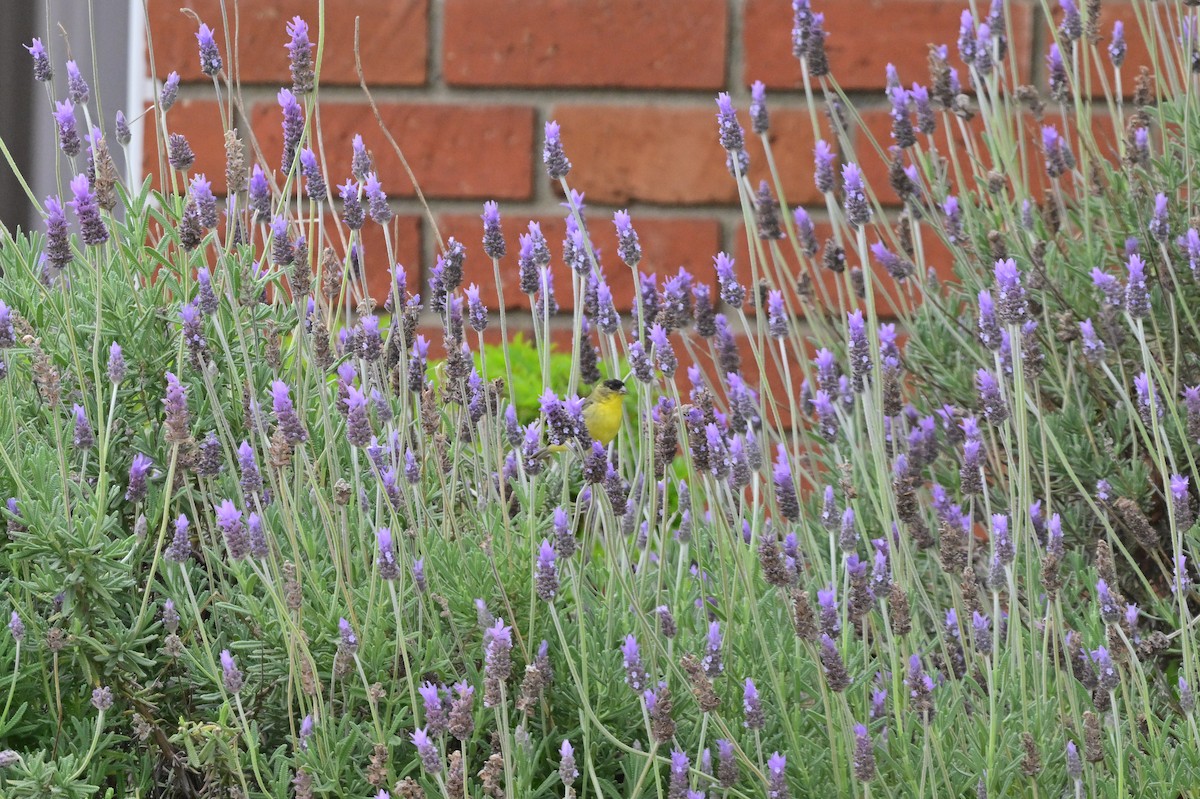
pixel 26 120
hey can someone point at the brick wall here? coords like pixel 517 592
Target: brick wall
pixel 466 85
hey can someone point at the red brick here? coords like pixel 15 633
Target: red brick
pixel 200 122
pixel 671 156
pixel 864 37
pixel 393 39
pixel 475 151
pixel 667 244
pixel 595 43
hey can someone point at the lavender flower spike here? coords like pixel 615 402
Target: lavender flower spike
pixel 180 548
pixel 285 413
pixel 210 56
pixel 138 470
pixel 68 130
pixel 1117 47
pixel 1137 294
pixel 77 88
pixel 300 56
pixel 864 754
pixel 553 155
pixel 785 490
pixel 231 674
pixel 58 242
pixel 546 572
pixel 94 231
pixel 858 211
pixel 777 787
pixel 42 71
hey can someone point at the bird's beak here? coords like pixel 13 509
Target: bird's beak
pixel 623 391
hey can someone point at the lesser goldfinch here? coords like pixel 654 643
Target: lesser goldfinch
pixel 603 410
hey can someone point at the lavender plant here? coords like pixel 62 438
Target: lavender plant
pixel 262 540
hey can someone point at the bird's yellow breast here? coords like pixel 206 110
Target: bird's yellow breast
pixel 603 418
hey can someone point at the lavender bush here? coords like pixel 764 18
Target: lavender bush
pixel 263 542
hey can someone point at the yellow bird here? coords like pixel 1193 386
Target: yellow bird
pixel 603 410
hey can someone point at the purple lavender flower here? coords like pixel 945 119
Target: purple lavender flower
pixel 58 244
pixel 180 548
pixel 711 662
pixel 680 764
pixel 635 674
pixel 860 351
pixel 1108 676
pixel 42 71
pixel 777 787
pixel 1057 74
pixel 805 234
pixel 553 155
pixel 1184 518
pixel 437 719
pixel 1054 148
pixel 759 118
pixel 664 355
pixel 823 157
pixel 920 688
pixel 628 247
pixel 894 265
pixel 250 480
pixel 358 422
pixel 858 211
pixel 68 130
pixel 981 627
pixel 567 771
pixel 178 417
pixel 1149 402
pixel 300 56
pixel 1110 607
pixel 1010 294
pixel 16 627
pixel 497 661
pixel 1004 546
pixel 229 520
pixel 260 194
pixel 285 413
pixel 1071 27
pixel 314 181
pixel 732 293
pixel 546 572
pixel 102 698
pixel 77 88
pixel 902 127
pixel 864 754
pixel 730 131
pixel 953 219
pixel 293 127
pixel 386 558
pixel 210 56
pixel 170 92
pixel 752 707
pixel 232 676
pixel 1093 347
pixel 418 575
pixel 1117 47
pixel 1160 226
pixel 995 410
pixel 431 758
pixel 138 470
pixel 827 418
pixel 92 226
pixel 785 490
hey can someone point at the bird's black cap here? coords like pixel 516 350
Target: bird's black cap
pixel 614 385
